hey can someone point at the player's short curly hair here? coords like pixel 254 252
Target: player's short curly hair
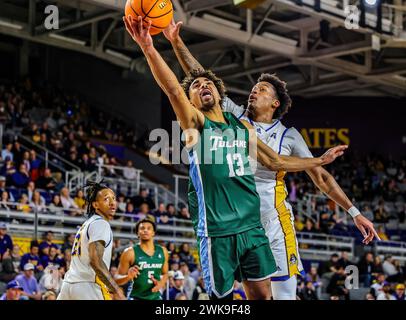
pixel 281 93
pixel 199 73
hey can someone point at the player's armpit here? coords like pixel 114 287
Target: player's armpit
pixel 96 252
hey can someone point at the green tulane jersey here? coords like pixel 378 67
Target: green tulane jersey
pixel 149 266
pixel 222 195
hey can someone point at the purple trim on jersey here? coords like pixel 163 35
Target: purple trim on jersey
pixel 277 121
pixel 280 143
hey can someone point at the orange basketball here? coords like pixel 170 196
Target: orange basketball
pixel 160 12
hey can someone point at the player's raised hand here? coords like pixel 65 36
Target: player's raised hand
pixel 133 272
pixel 157 286
pixel 333 153
pixel 367 229
pixel 172 31
pixel 139 32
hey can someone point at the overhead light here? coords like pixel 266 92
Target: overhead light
pixel 12 25
pixel 118 55
pixel 272 36
pixel 228 23
pixel 67 39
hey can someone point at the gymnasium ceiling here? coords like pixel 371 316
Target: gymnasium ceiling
pixel 279 36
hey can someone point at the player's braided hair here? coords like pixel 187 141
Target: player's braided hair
pixel 281 93
pixel 93 189
pixel 198 73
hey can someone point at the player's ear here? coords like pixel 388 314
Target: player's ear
pixel 276 104
pixel 95 205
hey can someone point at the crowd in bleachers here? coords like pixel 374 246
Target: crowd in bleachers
pixel 373 279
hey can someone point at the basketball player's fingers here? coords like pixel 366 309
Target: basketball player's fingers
pixel 127 26
pixel 140 26
pixel 363 231
pixel 178 26
pixel 148 27
pixel 372 229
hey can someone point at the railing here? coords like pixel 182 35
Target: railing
pixel 47 153
pixel 395 248
pixel 34 222
pixel 321 247
pixel 177 179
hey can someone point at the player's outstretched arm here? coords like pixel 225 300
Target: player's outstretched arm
pixel 187 61
pixel 276 162
pixel 96 252
pixel 329 186
pixel 190 118
pixel 126 272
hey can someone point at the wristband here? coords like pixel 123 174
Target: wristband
pixel 353 211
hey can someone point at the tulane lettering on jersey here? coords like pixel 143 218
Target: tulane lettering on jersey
pixel 222 196
pixel 149 266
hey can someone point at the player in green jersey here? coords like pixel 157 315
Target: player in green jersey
pixel 222 195
pixel 145 264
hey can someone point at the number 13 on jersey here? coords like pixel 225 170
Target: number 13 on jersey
pixel 235 157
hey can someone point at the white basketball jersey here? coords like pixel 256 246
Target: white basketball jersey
pixel 285 141
pixel 94 229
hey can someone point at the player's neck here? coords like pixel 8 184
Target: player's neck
pixel 215 114
pixel 264 117
pixel 147 245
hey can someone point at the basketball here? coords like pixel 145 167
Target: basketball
pixel 159 12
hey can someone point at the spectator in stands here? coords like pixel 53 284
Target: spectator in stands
pixel 336 287
pixel 10 264
pixel 385 293
pixel 80 199
pixel 5 203
pixel 144 212
pixel 200 292
pixel 3 188
pixel 8 170
pixel 121 203
pixel 400 292
pixel 26 160
pixel 68 244
pixel 299 225
pixel 30 190
pixel 369 296
pixel 390 269
pixel 38 203
pixel 29 283
pixel 55 206
pixel 6 243
pixel 48 241
pixel 7 153
pixel 35 165
pixel 14 291
pixel 377 286
pixel 184 213
pixel 382 234
pixel 309 226
pixel 143 197
pixel 314 277
pixel 178 281
pixel 171 247
pixel 189 282
pixel 160 210
pixel 129 171
pixel 381 213
pixel 325 223
pixel 366 268
pixel 330 266
pixel 32 257
pixel 130 212
pixel 52 258
pixel 21 178
pixel 68 203
pixel 186 256
pixel 46 181
pixel 23 204
pixel 367 212
pixel 377 267
pixel 344 260
pixel 308 292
